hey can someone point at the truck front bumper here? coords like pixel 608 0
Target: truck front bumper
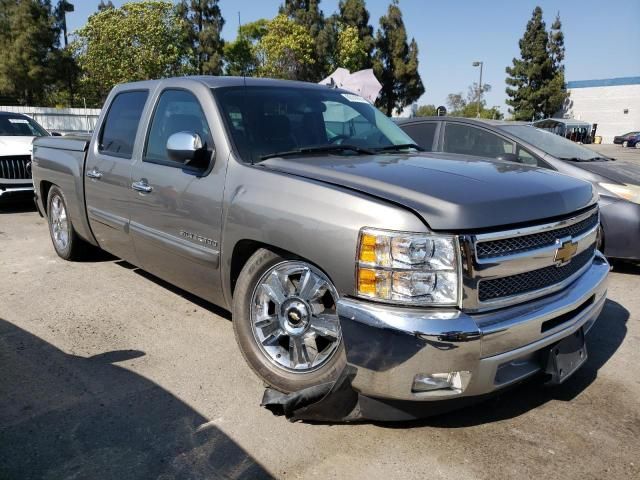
pixel 387 347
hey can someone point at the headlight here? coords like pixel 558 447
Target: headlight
pixel 408 268
pixel 628 192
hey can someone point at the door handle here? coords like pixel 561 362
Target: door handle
pixel 93 173
pixel 142 186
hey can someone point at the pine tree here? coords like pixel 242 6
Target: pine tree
pixel 307 13
pixel 203 24
pixel 396 63
pixel 354 13
pixel 536 80
pixel 30 41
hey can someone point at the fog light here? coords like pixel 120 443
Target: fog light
pixel 423 382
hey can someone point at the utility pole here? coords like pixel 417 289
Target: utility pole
pixel 479 64
pixel 65 7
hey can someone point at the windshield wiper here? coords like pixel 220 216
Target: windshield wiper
pixel 319 149
pixel 592 159
pixel 402 146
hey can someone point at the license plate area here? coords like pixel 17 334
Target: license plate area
pixel 565 357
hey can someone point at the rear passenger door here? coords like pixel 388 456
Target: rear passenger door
pixel 176 219
pixel 108 173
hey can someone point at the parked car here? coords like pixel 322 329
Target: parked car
pixel 617 183
pixel 17 132
pixel 335 243
pixel 628 139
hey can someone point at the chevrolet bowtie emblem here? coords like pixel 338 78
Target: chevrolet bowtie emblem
pixel 566 252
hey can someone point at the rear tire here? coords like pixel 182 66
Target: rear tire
pixel 285 322
pixel 66 242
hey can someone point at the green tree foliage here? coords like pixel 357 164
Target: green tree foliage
pixel 396 63
pixel 459 106
pixel 354 13
pixel 307 14
pixel 286 50
pixel 350 49
pixel 202 21
pixel 29 41
pixel 426 111
pixel 240 55
pixel 536 79
pixel 138 41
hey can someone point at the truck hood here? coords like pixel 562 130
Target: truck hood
pixel 15 146
pixel 449 192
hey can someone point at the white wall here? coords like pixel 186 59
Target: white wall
pixel 605 106
pixel 63 120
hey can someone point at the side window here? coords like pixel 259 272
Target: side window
pixel 528 159
pixel 468 140
pixel 176 111
pixel 121 124
pixel 422 133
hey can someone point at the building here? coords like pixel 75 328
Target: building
pixel 613 104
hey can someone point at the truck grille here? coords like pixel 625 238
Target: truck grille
pixel 509 246
pixel 15 168
pixel 514 266
pixel 534 280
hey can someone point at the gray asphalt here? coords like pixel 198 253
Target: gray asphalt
pixel 108 372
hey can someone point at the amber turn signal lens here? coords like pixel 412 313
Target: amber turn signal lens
pixel 367 248
pixel 366 281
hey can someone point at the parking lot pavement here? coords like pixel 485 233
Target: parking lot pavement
pixel 617 152
pixel 107 372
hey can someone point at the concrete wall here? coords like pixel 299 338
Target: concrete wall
pixel 63 120
pixel 605 105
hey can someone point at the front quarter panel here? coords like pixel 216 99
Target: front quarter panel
pixel 313 220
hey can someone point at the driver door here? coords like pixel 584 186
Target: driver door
pixel 176 208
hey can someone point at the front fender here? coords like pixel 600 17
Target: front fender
pixel 311 219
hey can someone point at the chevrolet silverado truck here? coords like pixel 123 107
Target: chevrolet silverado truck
pixel 333 240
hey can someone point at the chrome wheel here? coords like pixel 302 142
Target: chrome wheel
pixel 293 317
pixel 625 143
pixel 59 223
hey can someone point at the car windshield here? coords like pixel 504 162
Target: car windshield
pixel 551 143
pixel 264 121
pixel 19 126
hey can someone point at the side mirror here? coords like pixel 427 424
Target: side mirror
pixel 508 157
pixel 182 146
pixel 55 134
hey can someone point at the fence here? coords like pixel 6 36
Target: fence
pixel 63 120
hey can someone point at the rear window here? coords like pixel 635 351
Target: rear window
pixel 121 124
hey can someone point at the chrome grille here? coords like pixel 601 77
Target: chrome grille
pixel 534 280
pixel 509 246
pixel 514 266
pixel 15 168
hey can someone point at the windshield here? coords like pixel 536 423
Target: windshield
pixel 19 126
pixel 268 120
pixel 551 143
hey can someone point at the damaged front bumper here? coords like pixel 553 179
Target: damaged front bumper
pixel 390 348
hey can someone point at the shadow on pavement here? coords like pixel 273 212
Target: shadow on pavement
pixel 64 416
pixel 603 340
pixel 17 203
pixel 215 309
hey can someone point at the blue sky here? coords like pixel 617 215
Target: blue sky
pixel 601 38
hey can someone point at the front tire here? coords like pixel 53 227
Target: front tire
pixel 66 242
pixel 285 322
pixel 625 144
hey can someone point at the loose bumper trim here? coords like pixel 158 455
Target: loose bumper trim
pixel 388 346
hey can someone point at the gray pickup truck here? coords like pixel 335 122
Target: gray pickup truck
pixel 333 240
